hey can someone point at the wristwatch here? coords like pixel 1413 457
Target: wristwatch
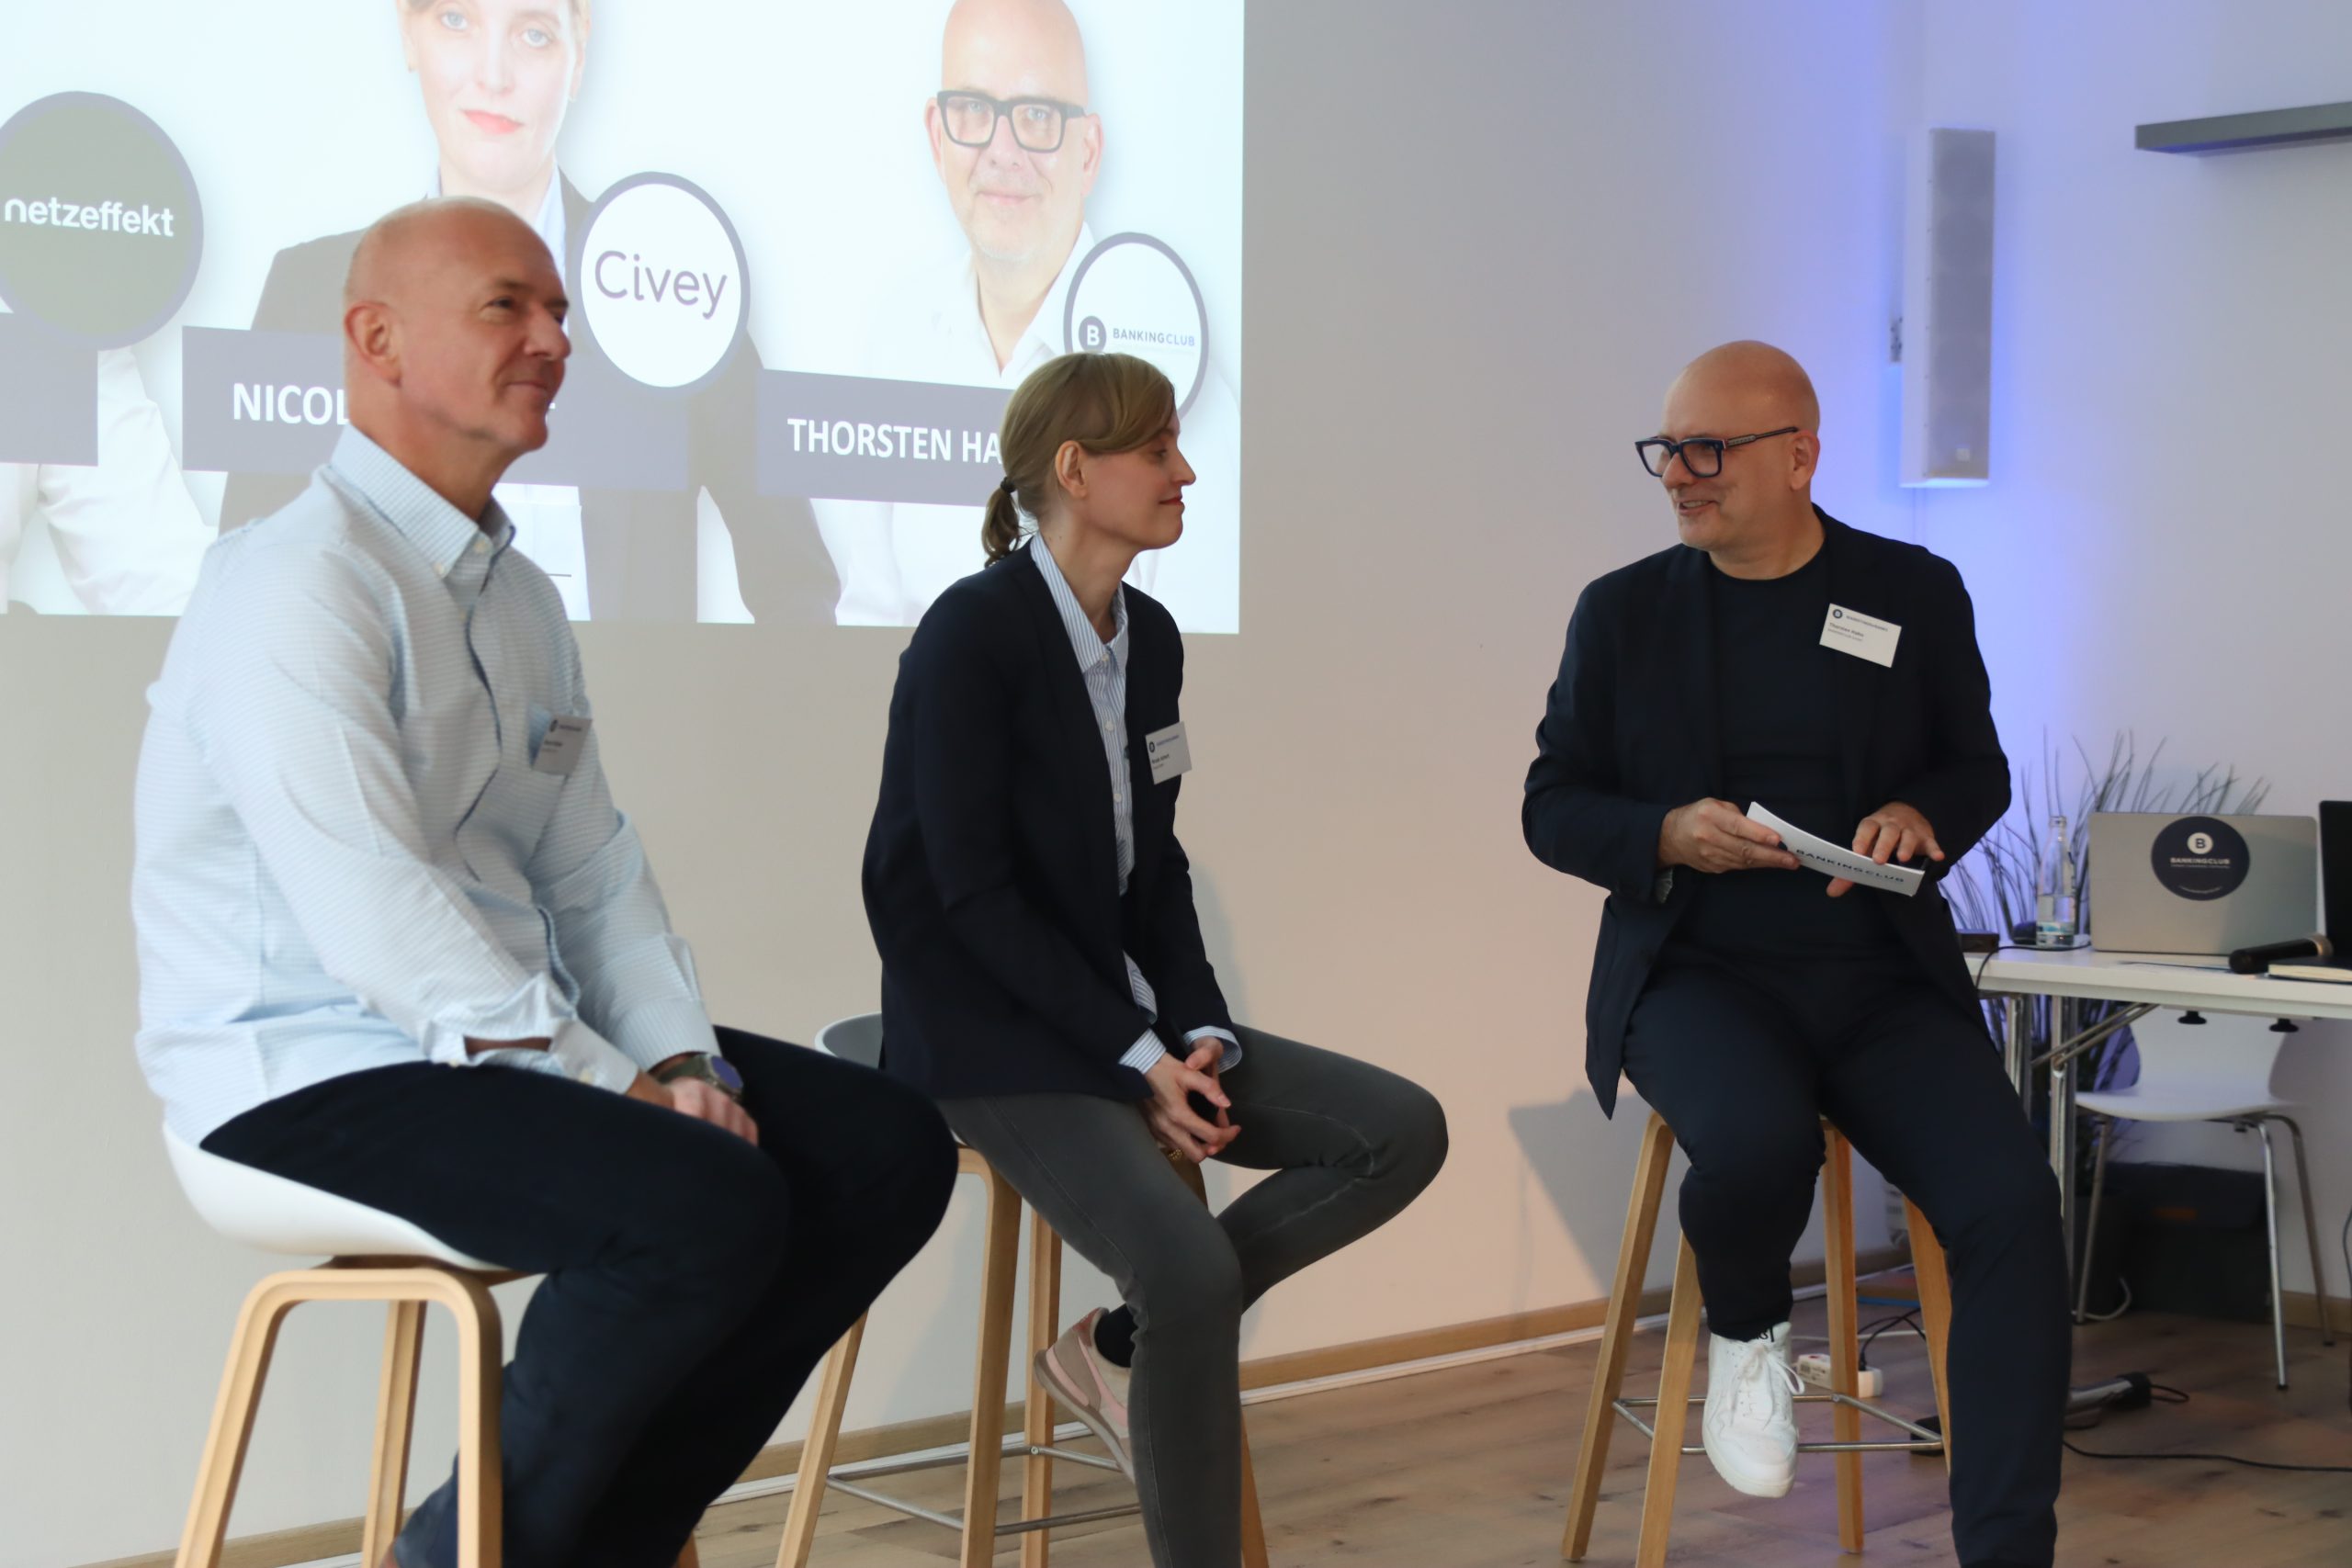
pixel 716 1071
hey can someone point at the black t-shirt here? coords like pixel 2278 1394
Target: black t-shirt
pixel 1777 724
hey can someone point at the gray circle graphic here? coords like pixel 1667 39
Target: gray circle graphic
pixel 100 226
pixel 576 241
pixel 1069 306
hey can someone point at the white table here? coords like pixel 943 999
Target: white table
pixel 2142 983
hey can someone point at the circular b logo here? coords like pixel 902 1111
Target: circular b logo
pixel 660 275
pixel 99 226
pixel 1133 295
pixel 2199 858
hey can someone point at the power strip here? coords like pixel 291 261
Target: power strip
pixel 1814 1367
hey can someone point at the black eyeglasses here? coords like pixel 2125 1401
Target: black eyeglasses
pixel 969 120
pixel 1701 455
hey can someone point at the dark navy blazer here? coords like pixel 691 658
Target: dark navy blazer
pixel 991 873
pixel 1629 733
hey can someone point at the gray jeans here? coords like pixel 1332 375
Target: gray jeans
pixel 1351 1144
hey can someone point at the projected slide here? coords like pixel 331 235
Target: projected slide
pixel 811 248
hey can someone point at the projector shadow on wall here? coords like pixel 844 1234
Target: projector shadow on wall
pixel 1584 1165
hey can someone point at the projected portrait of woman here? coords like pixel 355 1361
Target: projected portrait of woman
pixel 497 79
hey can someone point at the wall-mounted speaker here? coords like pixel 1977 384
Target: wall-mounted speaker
pixel 1945 338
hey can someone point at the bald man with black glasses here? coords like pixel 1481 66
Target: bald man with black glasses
pixel 1775 656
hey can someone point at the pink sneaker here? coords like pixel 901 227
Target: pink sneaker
pixel 1089 1387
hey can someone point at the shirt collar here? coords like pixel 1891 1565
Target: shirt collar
pixel 1043 340
pixel 1084 640
pixel 415 509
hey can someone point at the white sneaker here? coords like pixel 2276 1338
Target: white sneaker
pixel 1750 1426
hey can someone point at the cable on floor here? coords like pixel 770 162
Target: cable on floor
pixel 2161 1394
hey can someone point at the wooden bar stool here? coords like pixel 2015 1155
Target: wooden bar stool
pixel 859 1039
pixel 1682 1350
pixel 372 1257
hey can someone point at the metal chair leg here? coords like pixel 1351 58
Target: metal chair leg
pixel 2090 1222
pixel 2311 1229
pixel 2270 1225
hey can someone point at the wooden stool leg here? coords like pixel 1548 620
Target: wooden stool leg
pixel 481 1352
pixel 817 1449
pixel 395 1419
pixel 1928 1267
pixel 1617 1335
pixel 233 1419
pixel 1673 1410
pixel 980 1476
pixel 1844 1341
pixel 1253 1527
pixel 1037 1411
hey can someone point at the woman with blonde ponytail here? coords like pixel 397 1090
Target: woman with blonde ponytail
pixel 1043 972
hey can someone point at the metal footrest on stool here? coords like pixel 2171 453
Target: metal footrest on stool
pixel 1013 1448
pixel 1921 1441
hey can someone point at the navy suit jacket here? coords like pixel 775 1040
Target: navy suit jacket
pixel 1629 732
pixel 640 545
pixel 991 873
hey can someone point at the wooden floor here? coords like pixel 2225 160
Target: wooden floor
pixel 1469 1468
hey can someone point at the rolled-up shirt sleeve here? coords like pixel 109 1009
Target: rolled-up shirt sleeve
pixel 290 704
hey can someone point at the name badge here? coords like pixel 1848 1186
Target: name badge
pixel 1168 752
pixel 1864 637
pixel 559 749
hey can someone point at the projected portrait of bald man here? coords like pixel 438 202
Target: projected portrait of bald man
pixel 1017 153
pixel 497 79
pixel 1018 143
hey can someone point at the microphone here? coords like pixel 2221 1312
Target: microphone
pixel 2255 960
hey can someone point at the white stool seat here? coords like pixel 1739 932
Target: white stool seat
pixel 277 1215
pixel 2175 1100
pixel 857 1038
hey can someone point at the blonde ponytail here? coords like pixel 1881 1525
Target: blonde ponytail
pixel 1000 529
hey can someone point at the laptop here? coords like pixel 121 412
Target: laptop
pixel 2334 898
pixel 2201 886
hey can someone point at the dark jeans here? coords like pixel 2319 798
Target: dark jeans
pixel 693 1279
pixel 1349 1146
pixel 1743 1060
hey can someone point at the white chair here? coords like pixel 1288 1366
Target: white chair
pixel 372 1257
pixel 859 1039
pixel 2211 1072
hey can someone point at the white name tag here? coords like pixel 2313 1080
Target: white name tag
pixel 1864 637
pixel 561 747
pixel 1168 753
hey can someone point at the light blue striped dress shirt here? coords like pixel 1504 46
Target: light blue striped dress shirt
pixel 1105 666
pixel 346 857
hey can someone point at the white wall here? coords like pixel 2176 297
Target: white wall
pixel 2165 546
pixel 1480 239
